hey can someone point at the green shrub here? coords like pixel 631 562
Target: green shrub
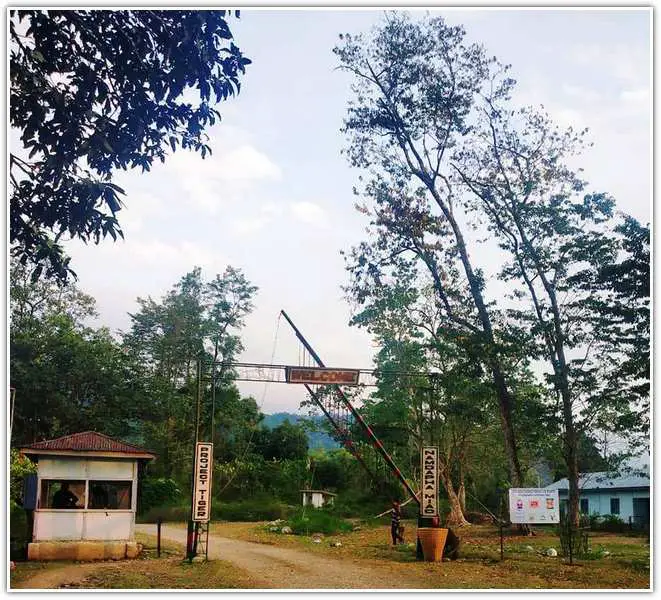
pixel 573 540
pixel 366 506
pixel 166 513
pixel 254 509
pixel 611 523
pixel 159 492
pixel 313 520
pixel 18 531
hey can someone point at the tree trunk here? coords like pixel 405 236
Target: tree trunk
pixel 456 516
pixel 502 391
pixel 571 458
pixel 461 492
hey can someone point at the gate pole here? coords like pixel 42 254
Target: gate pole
pixel 365 427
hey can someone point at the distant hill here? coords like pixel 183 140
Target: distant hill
pixel 316 439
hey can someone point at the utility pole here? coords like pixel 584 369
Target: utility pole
pixel 191 539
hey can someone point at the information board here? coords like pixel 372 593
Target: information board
pixel 202 487
pixel 534 505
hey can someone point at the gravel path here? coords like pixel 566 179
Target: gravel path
pixel 284 568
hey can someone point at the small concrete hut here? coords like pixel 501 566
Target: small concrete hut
pixel 317 498
pixel 86 497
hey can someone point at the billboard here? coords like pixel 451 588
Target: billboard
pixel 322 375
pixel 534 505
pixel 429 483
pixel 202 482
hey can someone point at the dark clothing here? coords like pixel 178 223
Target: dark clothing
pixel 64 499
pixel 395 524
pixel 395 517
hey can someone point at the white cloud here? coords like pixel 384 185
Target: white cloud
pixel 309 213
pixel 139 208
pixel 224 177
pixel 272 209
pixel 242 163
pixel 249 225
pixel 636 96
pixel 246 163
pixel 568 117
pixel 580 93
pixel 626 63
pixel 133 254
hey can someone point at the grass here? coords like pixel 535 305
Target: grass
pixel 627 566
pixel 169 571
pixel 27 570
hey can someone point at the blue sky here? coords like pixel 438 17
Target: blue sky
pixel 275 199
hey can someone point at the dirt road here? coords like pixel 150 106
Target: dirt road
pixel 284 568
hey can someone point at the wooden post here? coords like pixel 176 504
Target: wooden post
pixel 158 537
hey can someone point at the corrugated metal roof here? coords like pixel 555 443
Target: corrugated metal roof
pixel 603 480
pixel 87 441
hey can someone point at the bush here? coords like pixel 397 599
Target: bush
pixel 18 531
pixel 159 492
pixel 611 523
pixel 479 518
pixel 255 509
pixel 572 537
pixel 166 513
pixel 314 520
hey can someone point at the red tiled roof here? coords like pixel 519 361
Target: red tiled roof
pixel 87 441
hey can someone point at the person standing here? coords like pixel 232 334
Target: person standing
pixel 64 497
pixel 395 523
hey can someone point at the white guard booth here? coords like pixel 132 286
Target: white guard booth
pixel 87 486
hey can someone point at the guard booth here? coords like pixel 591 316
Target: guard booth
pixel 85 497
pixel 317 498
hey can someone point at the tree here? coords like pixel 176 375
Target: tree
pixel 552 228
pixel 621 300
pixel 94 91
pixel 414 90
pixel 195 320
pixel 287 441
pixel 69 377
pixel 431 389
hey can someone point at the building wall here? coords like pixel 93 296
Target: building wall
pixel 86 524
pixel 599 501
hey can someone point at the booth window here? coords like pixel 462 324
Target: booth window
pixel 62 494
pixel 110 495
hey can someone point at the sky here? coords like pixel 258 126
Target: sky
pixel 275 198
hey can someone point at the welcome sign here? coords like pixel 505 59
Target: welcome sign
pixel 202 487
pixel 321 375
pixel 429 488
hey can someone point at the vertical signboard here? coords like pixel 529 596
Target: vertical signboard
pixel 202 487
pixel 429 487
pixel 534 505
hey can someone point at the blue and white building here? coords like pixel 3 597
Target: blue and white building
pixel 603 493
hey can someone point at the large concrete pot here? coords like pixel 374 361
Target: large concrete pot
pixel 432 540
